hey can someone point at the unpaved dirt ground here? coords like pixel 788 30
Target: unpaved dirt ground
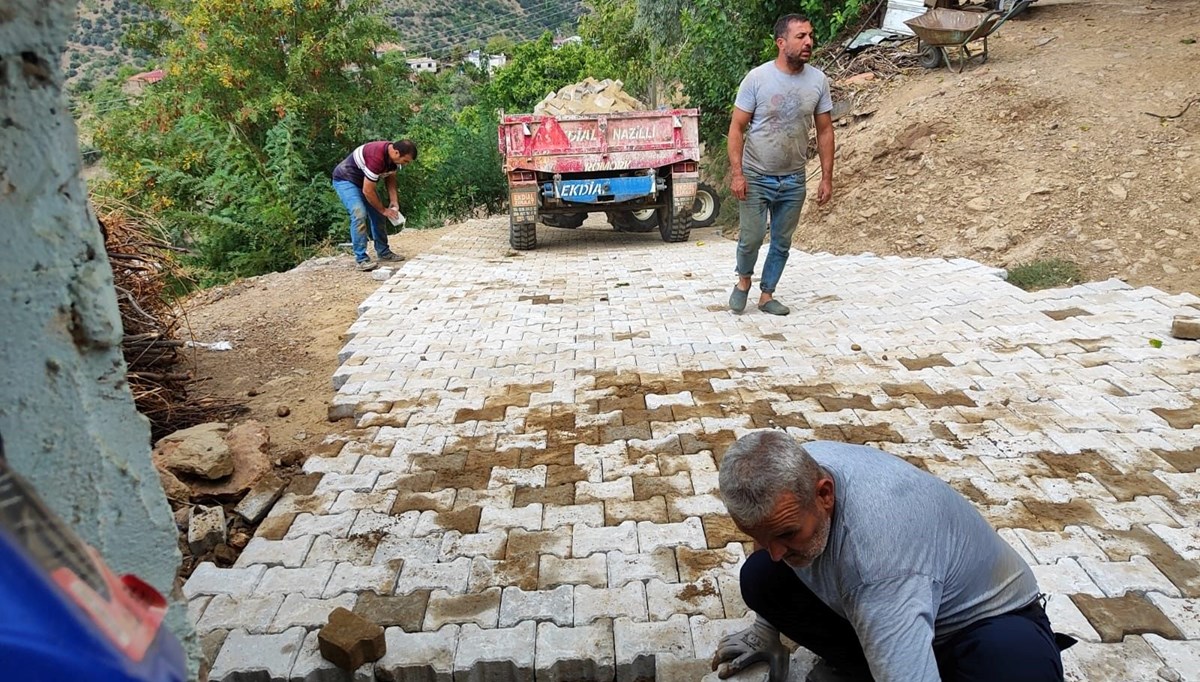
pixel 1043 152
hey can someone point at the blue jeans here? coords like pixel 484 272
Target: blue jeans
pixel 781 197
pixel 1014 646
pixel 364 220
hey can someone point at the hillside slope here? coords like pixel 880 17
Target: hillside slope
pixel 1043 152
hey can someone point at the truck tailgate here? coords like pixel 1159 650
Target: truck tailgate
pixel 599 142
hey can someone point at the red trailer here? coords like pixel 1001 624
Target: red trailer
pixel 640 168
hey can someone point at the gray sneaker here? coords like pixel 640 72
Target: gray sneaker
pixel 366 265
pixel 391 257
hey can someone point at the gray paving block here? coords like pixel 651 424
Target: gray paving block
pixel 308 612
pixel 257 658
pixel 310 666
pixel 555 605
pixel 450 576
pixel 253 614
pixel 235 582
pixel 494 655
pixel 553 571
pixel 309 582
pixel 702 597
pixel 622 538
pixel 659 564
pixel 567 654
pixel 637 645
pixel 350 578
pixel 593 604
pixel 418 656
pixel 481 608
pixel 288 552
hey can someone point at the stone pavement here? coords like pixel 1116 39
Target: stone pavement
pixel 529 490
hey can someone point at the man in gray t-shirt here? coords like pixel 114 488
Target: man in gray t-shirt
pixel 880 568
pixel 768 143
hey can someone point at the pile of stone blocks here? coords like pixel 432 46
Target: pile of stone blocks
pixel 589 96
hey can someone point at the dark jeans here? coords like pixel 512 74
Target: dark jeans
pixel 1015 646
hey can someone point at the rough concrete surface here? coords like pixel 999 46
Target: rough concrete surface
pixel 544 429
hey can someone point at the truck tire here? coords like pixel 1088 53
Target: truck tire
pixel 707 206
pixel 522 236
pixel 673 226
pixel 629 221
pixel 566 220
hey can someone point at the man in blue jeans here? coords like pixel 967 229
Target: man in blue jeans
pixel 354 180
pixel 768 147
pixel 881 569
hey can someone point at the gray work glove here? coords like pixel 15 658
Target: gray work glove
pixel 759 642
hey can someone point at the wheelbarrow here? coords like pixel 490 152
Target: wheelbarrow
pixel 941 29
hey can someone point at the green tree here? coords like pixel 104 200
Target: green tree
pixel 536 68
pixel 609 29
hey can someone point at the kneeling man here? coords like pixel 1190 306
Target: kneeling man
pixel 881 569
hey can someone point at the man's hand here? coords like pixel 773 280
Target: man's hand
pixel 737 184
pixel 392 213
pixel 759 642
pixel 824 191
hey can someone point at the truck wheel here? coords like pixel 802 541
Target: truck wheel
pixel 707 206
pixel 634 221
pixel 522 236
pixel 674 226
pixel 568 220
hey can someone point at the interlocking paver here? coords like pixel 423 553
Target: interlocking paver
pixel 246 656
pixel 537 447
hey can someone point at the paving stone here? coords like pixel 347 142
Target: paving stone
pixel 553 571
pixel 421 550
pixel 1132 659
pixel 500 654
pixel 592 604
pixel 1185 541
pixel 245 656
pixel 659 564
pixel 1131 614
pixel 309 582
pixel 1181 658
pixel 333 525
pixel 235 582
pixel 1116 578
pixel 617 512
pixel 336 483
pixel 418 656
pixel 347 577
pixel 308 612
pixel 348 640
pixel 480 608
pixel 522 542
pixel 1066 618
pixel 310 666
pixel 1050 546
pixel 689 532
pixel 289 553
pixel 680 508
pixel 620 490
pixel 702 597
pixel 695 564
pixel 1184 614
pixel 731 596
pixel 450 576
pixel 406 611
pixel 528 517
pixel 1065 577
pixel 637 645
pixel 585 652
pixel 622 538
pixel 521 571
pixel 490 545
pixel 707 633
pixel 252 614
pixel 556 605
pixel 554 515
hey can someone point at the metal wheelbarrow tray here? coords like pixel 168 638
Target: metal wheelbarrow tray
pixel 940 29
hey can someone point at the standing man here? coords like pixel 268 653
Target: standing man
pixel 879 568
pixel 354 180
pixel 777 102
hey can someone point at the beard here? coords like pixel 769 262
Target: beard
pixel 796 61
pixel 816 546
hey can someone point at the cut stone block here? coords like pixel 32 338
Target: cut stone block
pixel 244 655
pixel 418 656
pixel 690 532
pixel 555 605
pixel 622 538
pixel 208 578
pixel 564 654
pixel 500 654
pixel 406 611
pixel 349 640
pixel 255 505
pixel 310 666
pixel 308 612
pixel 659 564
pixel 1186 328
pixel 637 645
pixel 481 608
pixel 592 604
pixel 702 597
pixel 1116 617
pixel 553 571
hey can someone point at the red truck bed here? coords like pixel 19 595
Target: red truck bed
pixel 599 142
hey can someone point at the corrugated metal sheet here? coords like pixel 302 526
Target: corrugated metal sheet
pixel 900 10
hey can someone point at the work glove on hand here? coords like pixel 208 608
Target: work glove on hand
pixel 759 642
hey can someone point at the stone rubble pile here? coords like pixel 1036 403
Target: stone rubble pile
pixel 589 96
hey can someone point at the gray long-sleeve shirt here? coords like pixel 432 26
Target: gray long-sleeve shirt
pixel 909 561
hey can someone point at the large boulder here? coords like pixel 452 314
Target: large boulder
pixel 200 451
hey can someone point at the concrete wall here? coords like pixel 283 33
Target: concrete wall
pixel 66 414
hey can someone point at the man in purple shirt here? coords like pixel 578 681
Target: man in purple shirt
pixel 354 180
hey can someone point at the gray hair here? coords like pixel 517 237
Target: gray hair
pixel 758 467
